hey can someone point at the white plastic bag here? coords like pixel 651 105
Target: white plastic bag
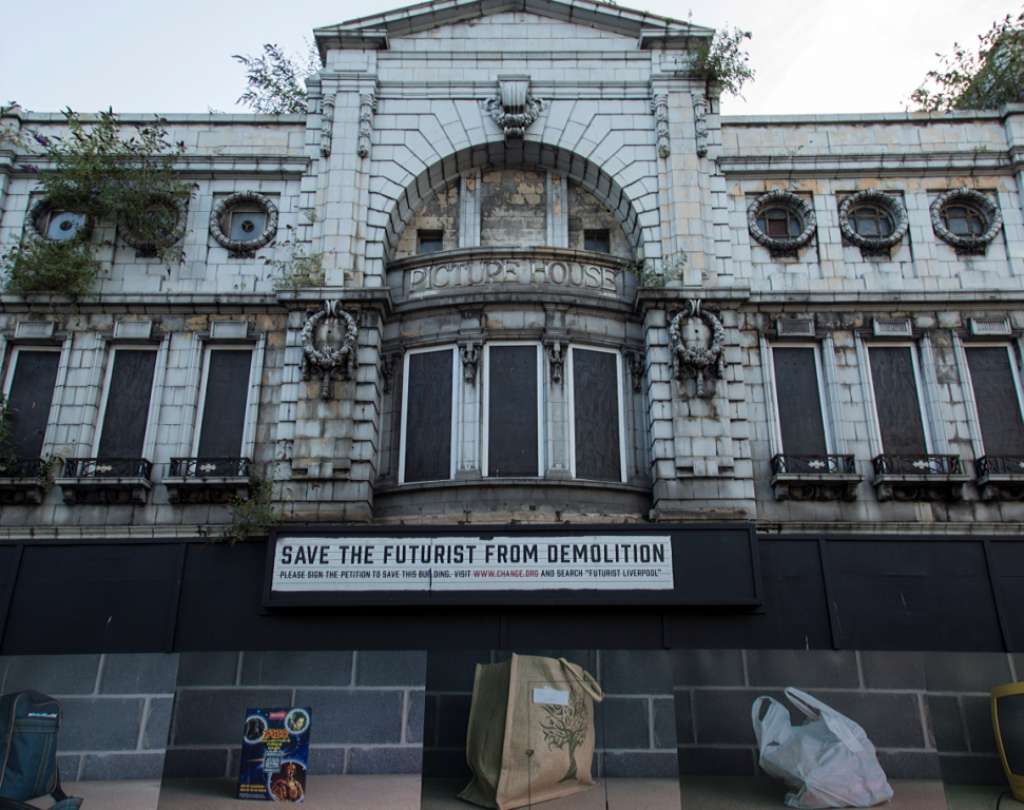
pixel 828 761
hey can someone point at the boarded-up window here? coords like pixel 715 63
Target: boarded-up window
pixel 428 417
pixel 595 386
pixel 127 411
pixel 896 400
pixel 995 393
pixel 29 400
pixel 227 394
pixel 798 396
pixel 512 411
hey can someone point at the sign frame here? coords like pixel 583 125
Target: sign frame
pixel 734 585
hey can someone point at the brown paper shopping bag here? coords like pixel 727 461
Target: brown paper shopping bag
pixel 531 731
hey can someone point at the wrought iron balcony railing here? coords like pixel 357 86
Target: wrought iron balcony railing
pixel 924 464
pixel 210 468
pixel 999 465
pixel 107 468
pixel 830 464
pixel 23 468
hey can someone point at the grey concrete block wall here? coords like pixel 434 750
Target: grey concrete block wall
pixel 928 714
pixel 634 728
pixel 116 709
pixel 367 709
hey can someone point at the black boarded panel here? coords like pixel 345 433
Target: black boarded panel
pixel 226 582
pixel 793 614
pixel 1008 578
pixel 428 430
pixel 926 595
pixel 35 376
pixel 91 598
pixel 227 391
pixel 512 421
pixel 995 393
pixel 798 396
pixel 592 629
pixel 896 402
pixel 596 415
pixel 124 421
pixel 8 570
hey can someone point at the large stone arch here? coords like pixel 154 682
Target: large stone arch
pixel 640 230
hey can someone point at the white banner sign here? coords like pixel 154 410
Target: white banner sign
pixel 376 563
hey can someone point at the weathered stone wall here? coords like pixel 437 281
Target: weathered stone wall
pixel 367 709
pixel 928 714
pixel 116 709
pixel 634 731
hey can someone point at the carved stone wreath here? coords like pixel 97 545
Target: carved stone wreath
pixel 784 199
pixel 325 360
pixel 39 212
pixel 704 362
pixel 221 210
pixel 141 243
pixel 890 203
pixel 975 199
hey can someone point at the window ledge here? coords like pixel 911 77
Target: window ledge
pixel 22 491
pixel 819 486
pixel 106 481
pixel 215 489
pixel 920 486
pixel 567 483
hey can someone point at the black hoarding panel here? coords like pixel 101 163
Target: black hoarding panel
pixel 512 417
pixel 925 595
pixel 596 415
pixel 592 629
pixel 995 394
pixel 227 392
pixel 798 397
pixel 428 428
pixel 896 400
pixel 1007 557
pixel 221 610
pixel 29 400
pixel 794 613
pixel 91 598
pixel 127 410
pixel 9 556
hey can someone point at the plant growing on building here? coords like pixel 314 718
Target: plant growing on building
pixel 301 270
pixel 565 727
pixel 251 516
pixel 978 79
pixel 274 81
pixel 8 460
pixel 723 61
pixel 39 267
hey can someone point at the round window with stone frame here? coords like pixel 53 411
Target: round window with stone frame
pixel 873 220
pixel 160 225
pixel 244 222
pixel 782 221
pixel 58 225
pixel 966 219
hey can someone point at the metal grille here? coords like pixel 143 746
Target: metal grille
pixel 999 465
pixel 22 468
pixel 813 465
pixel 107 468
pixel 924 464
pixel 210 467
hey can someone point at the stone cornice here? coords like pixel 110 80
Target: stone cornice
pixel 889 163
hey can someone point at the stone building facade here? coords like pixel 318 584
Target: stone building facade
pixel 559 288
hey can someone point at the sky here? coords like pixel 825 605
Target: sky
pixel 811 56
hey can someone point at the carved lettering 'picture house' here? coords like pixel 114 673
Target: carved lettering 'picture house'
pixel 512 330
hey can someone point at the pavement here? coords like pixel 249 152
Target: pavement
pixel 127 794
pixel 607 794
pixel 322 793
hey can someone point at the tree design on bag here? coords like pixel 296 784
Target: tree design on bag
pixel 566 727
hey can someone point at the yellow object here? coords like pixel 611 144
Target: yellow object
pixel 1008 723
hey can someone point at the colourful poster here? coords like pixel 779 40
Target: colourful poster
pixel 275 754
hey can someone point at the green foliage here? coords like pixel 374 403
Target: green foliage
pixel 275 81
pixel 38 267
pixel 98 171
pixel 7 458
pixel 301 270
pixel 724 61
pixel 252 516
pixel 986 78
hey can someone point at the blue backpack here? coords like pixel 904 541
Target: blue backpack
pixel 29 723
